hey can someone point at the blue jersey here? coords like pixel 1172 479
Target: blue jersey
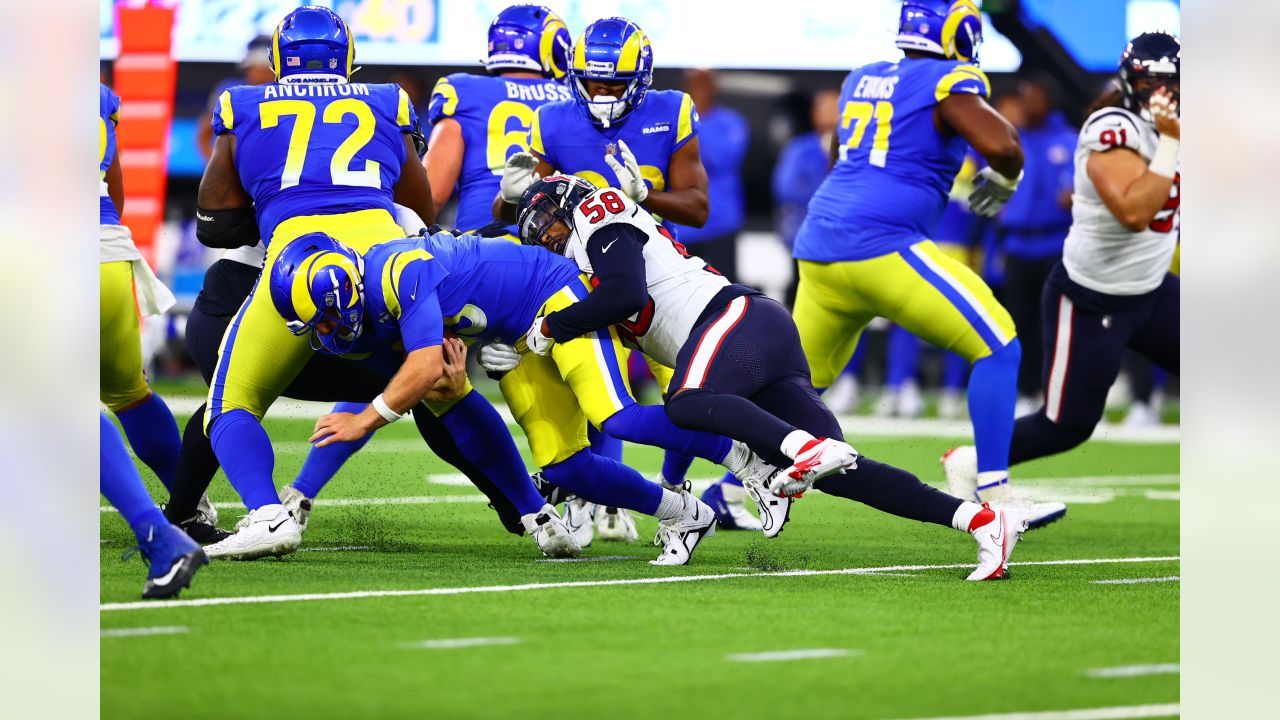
pixel 890 183
pixel 108 116
pixel 564 136
pixel 312 149
pixel 483 287
pixel 495 114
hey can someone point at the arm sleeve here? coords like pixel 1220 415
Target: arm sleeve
pixel 417 303
pixel 617 256
pixel 422 322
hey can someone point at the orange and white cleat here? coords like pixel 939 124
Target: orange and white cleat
pixel 996 532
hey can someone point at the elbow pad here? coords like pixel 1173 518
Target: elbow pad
pixel 227 229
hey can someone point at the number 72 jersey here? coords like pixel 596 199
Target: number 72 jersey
pixel 316 149
pixel 894 170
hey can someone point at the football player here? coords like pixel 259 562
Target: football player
pixel 739 367
pixel 1113 289
pixel 147 420
pixel 904 128
pixel 478 120
pixel 312 150
pixel 481 289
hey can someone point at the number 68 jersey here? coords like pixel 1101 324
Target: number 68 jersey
pixel 1100 253
pixel 680 285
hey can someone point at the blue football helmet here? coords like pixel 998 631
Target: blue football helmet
pixel 317 278
pixel 1153 55
pixel 612 49
pixel 952 30
pixel 529 37
pixel 546 201
pixel 312 44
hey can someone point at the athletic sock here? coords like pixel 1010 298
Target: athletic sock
pixel 604 444
pixel 993 485
pixel 605 482
pixel 794 442
pixel 671 506
pixel 243 448
pixel 153 435
pixel 737 459
pixel 674 468
pixel 121 484
pixel 649 425
pixel 892 490
pixel 966 516
pixel 483 439
pixel 323 463
pixel 993 393
pixel 196 467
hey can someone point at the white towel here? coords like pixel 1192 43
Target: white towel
pixel 117 246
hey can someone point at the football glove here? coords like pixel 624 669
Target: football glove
pixel 628 172
pixel 517 175
pixel 498 359
pixel 537 342
pixel 991 191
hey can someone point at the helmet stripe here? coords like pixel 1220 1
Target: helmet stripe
pixel 351 49
pixel 580 52
pixel 629 55
pixel 275 51
pixel 546 47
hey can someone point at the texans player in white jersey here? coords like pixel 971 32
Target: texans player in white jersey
pixel 1112 290
pixel 739 367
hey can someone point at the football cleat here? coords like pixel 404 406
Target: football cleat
pixel 729 501
pixel 551 533
pixel 996 532
pixel 298 505
pixel 818 458
pixel 774 510
pixel 615 524
pixel 680 535
pixel 174 559
pixel 577 517
pixel 269 530
pixel 202 532
pixel 960 465
pixel 206 512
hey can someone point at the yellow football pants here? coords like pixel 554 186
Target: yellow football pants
pixel 121 382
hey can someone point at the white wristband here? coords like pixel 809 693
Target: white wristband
pixel 1165 160
pixel 385 410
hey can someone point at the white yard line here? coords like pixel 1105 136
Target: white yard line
pixel 598 558
pixel 337 548
pixel 661 580
pixel 1124 712
pixel 348 502
pixel 786 655
pixel 455 643
pixel 143 631
pixel 1135 581
pixel 1127 671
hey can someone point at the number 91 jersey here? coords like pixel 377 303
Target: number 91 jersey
pixel 680 285
pixel 316 149
pixel 894 171
pixel 494 114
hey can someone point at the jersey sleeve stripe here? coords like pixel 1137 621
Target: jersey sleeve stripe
pixel 964 78
pixel 535 134
pixel 1113 114
pixel 402 110
pixel 446 90
pixel 685 126
pixel 224 110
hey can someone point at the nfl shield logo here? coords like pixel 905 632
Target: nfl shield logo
pixel 611 149
pixel 519 43
pixel 333 63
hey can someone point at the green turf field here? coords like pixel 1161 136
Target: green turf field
pixel 476 634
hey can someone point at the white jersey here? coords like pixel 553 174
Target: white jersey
pixel 680 286
pixel 1101 253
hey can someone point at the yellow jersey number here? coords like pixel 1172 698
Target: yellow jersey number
pixel 304 115
pixel 863 113
pixel 648 172
pixel 503 136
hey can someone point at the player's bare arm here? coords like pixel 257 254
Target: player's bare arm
pixel 991 136
pixel 419 373
pixel 452 384
pixel 115 183
pixel 413 190
pixel 1133 191
pixel 444 159
pixel 685 200
pixel 220 187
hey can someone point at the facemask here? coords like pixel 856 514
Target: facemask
pixel 606 108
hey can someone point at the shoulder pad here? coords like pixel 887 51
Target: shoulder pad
pixel 1111 128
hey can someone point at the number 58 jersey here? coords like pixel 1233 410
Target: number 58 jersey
pixel 316 149
pixel 894 170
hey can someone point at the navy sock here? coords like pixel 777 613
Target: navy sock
pixel 675 466
pixel 243 448
pixel 993 393
pixel 483 439
pixel 121 484
pixel 196 467
pixel 604 444
pixel 1036 436
pixel 605 482
pixel 649 425
pixel 153 435
pixel 323 463
pixel 892 490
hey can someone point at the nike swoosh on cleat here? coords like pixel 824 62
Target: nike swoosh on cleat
pixel 173 571
pixel 998 536
pixel 273 528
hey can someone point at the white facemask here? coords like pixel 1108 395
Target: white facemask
pixel 606 108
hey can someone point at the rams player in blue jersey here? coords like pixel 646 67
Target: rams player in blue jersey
pixel 865 247
pixel 312 150
pixel 123 388
pixel 407 292
pixel 477 121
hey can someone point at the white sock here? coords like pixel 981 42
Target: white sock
pixel 671 506
pixel 964 515
pixel 795 440
pixel 999 482
pixel 738 457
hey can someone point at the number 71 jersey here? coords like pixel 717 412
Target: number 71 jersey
pixel 894 170
pixel 316 149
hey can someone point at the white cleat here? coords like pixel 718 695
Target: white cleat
pixel 577 517
pixel 205 511
pixel 297 504
pixel 774 510
pixel 615 524
pixel 819 458
pixel 679 536
pixel 960 465
pixel 550 532
pixel 269 530
pixel 996 538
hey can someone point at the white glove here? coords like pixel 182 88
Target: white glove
pixel 628 172
pixel 499 357
pixel 991 191
pixel 537 342
pixel 517 175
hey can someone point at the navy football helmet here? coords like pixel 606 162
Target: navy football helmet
pixel 312 44
pixel 529 37
pixel 318 279
pixel 547 201
pixel 1155 56
pixel 952 30
pixel 611 50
